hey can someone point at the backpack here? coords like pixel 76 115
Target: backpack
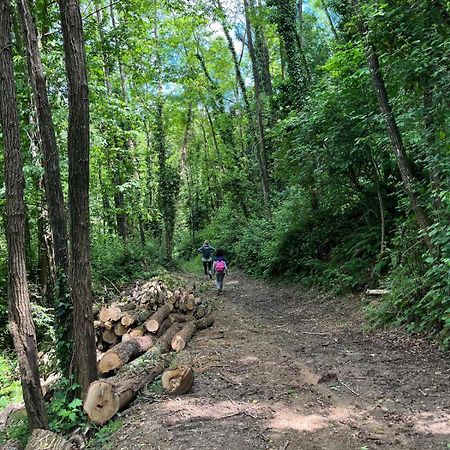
pixel 220 266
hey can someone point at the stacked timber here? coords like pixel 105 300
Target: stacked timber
pixel 132 336
pixel 145 310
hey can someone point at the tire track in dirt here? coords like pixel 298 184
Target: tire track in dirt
pixel 257 373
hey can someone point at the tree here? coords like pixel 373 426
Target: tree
pixel 52 184
pixel 262 146
pixel 22 327
pixel 84 356
pixel 393 130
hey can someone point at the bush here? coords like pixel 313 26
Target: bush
pixel 119 262
pixel 10 389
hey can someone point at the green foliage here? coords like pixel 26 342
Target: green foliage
pixel 119 262
pixel 10 388
pixel 102 436
pixel 17 428
pixel 64 410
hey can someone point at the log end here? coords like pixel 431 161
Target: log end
pixel 151 326
pixel 178 381
pixel 101 403
pixel 178 344
pixel 110 361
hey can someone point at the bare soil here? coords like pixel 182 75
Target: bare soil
pixel 289 369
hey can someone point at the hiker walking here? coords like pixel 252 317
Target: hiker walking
pixel 220 269
pixel 206 250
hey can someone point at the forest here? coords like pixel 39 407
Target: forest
pixel 309 139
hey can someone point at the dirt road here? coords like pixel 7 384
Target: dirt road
pixel 286 369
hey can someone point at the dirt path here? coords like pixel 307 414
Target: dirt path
pixel 284 369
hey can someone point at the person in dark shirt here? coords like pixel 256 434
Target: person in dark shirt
pixel 207 251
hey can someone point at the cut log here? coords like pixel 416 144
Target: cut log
pixel 106 397
pixel 178 381
pixel 157 318
pixel 128 307
pixel 205 322
pixel 200 311
pixel 110 337
pixel 182 338
pixel 116 313
pixel 180 318
pixel 136 332
pixel 12 444
pixel 164 327
pixel 128 320
pixel 120 329
pixel 378 291
pixel 190 302
pixel 45 439
pixel 108 325
pixel 144 315
pixel 124 352
pixel 104 315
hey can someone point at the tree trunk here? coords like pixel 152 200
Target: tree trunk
pixel 84 356
pixel 158 318
pixel 431 142
pixel 262 159
pixel 330 21
pixel 124 352
pixel 262 54
pixel 22 326
pixel 394 133
pixel 293 49
pixel 52 184
pixel 182 338
pixel 47 440
pixel 106 397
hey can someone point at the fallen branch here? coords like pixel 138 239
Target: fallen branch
pixel 349 388
pixel 378 291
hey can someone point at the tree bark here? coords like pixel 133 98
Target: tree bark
pixel 124 352
pixel 394 132
pixel 52 184
pixel 181 339
pixel 84 355
pixel 158 318
pixel 47 440
pixel 21 325
pixel 262 159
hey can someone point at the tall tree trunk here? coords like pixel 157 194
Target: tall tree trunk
pixel 21 325
pixel 262 53
pixel 52 183
pixel 394 132
pixel 239 77
pixel 431 142
pixel 262 154
pixel 84 355
pixel 123 89
pixel 330 21
pixel 296 64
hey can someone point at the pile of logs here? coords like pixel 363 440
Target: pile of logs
pixel 144 311
pixel 132 335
